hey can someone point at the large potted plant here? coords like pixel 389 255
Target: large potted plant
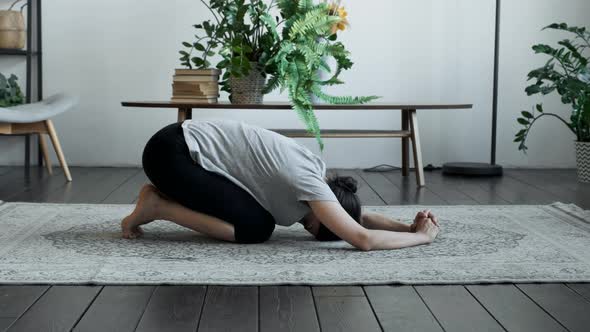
pixel 291 49
pixel 240 36
pixel 567 72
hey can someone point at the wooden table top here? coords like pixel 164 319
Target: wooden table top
pixel 285 106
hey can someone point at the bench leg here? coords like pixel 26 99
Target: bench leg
pixel 57 147
pixel 181 115
pixel 417 149
pixel 45 152
pixel 185 114
pixel 405 144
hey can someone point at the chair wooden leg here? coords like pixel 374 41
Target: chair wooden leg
pixel 57 147
pixel 417 149
pixel 45 151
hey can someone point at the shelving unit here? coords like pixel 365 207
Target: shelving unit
pixel 34 62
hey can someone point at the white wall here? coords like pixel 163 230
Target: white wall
pixel 426 51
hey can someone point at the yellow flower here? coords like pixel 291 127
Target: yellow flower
pixel 343 14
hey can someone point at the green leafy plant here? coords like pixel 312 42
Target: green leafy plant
pixel 308 39
pixel 239 35
pixel 291 49
pixel 10 92
pixel 567 73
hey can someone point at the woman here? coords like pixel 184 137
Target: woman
pixel 235 182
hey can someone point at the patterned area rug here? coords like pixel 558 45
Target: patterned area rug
pixel 79 244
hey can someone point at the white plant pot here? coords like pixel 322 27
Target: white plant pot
pixel 583 158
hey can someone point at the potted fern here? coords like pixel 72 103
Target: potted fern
pixel 308 38
pixel 260 52
pixel 567 72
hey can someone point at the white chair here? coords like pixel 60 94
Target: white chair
pixel 35 119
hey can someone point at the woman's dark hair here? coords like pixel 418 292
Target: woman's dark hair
pixel 344 188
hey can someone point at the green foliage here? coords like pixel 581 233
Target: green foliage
pixel 566 72
pixel 10 92
pixel 242 32
pixel 306 42
pixel 290 49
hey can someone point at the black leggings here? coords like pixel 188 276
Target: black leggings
pixel 169 166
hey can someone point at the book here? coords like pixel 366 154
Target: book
pixel 195 100
pixel 195 78
pixel 199 72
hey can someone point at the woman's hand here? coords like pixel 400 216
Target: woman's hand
pixel 425 214
pixel 428 228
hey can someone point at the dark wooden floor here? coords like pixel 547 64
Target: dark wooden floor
pixel 507 307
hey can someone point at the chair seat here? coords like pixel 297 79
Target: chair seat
pixel 39 111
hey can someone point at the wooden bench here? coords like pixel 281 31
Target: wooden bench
pixel 409 123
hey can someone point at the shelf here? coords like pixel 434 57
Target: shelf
pixel 8 51
pixel 295 133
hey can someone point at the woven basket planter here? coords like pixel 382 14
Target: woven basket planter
pixel 583 157
pixel 247 89
pixel 12 29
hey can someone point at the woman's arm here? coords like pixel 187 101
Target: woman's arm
pixel 336 219
pixel 373 220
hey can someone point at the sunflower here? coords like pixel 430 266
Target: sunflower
pixel 337 10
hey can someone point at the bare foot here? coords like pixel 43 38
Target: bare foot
pixel 144 213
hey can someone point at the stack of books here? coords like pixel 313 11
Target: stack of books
pixel 196 86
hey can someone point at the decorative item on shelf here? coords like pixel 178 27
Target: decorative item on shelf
pixel 12 28
pixel 241 38
pixel 568 73
pixel 290 49
pixel 10 92
pixel 308 39
pixel 248 89
pixel 195 85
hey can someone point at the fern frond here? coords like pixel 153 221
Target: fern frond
pixel 342 100
pixel 314 23
pixel 271 85
pixel 271 25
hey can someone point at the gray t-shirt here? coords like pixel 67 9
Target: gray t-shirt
pixel 278 172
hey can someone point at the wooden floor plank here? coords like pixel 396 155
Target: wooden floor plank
pixel 174 309
pixel 450 193
pixel 518 192
pixel 456 310
pixel 387 191
pixel 569 190
pixel 230 309
pixel 287 308
pixel 93 187
pixel 514 310
pixel 469 186
pixel 128 192
pixel 582 289
pixel 16 182
pixel 410 193
pixel 117 308
pixel 345 313
pixel 5 169
pixel 400 308
pixel 5 323
pixel 15 300
pixel 333 291
pixel 57 310
pixel 366 194
pixel 562 303
pixel 42 189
